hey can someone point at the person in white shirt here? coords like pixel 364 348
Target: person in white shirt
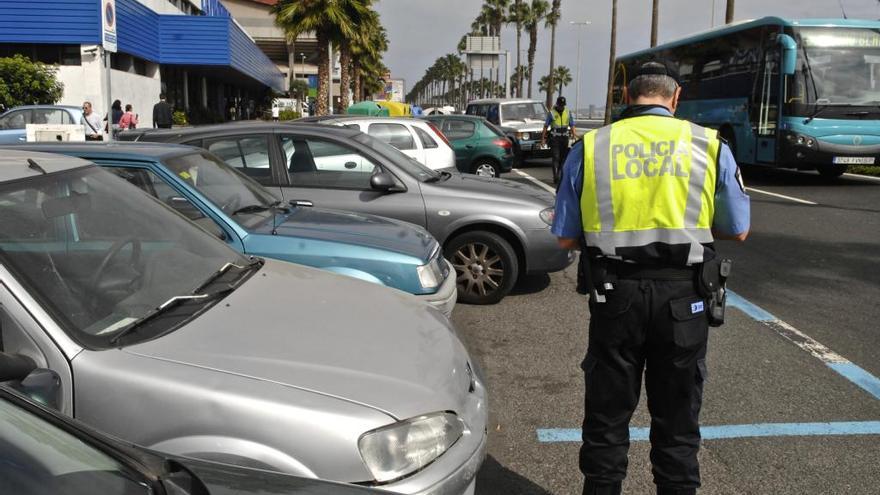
pixel 276 112
pixel 92 123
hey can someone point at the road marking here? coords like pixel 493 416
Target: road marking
pixel 641 434
pixel 790 198
pixel 533 180
pixel 860 176
pixel 842 366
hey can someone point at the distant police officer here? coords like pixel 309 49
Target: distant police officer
pixel 561 125
pixel 650 193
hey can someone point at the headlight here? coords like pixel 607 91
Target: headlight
pixel 403 448
pixel 548 215
pixel 525 136
pixel 429 275
pixel 801 140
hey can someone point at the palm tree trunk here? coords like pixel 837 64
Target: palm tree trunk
pixel 518 62
pixel 344 75
pixel 323 75
pixel 611 57
pixel 728 17
pixel 533 44
pixel 549 99
pixel 357 84
pixel 655 17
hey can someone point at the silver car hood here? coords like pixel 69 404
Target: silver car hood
pixel 328 334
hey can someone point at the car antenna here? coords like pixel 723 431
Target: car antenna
pixel 275 215
pixel 35 166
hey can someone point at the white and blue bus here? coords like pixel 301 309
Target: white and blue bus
pixel 796 94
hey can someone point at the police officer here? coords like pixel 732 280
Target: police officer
pixel 561 125
pixel 650 193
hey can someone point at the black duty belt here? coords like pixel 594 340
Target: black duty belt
pixel 634 271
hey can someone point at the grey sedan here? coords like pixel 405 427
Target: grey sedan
pixel 153 330
pixel 492 230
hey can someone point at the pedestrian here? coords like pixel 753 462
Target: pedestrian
pixel 129 119
pixel 162 113
pixel 276 112
pixel 649 193
pixel 115 114
pixel 91 123
pixel 561 124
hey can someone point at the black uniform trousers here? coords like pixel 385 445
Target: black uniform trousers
pixel 657 327
pixel 559 149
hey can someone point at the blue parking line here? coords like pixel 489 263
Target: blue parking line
pixel 640 434
pixel 866 381
pixel 747 307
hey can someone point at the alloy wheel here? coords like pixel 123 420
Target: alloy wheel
pixel 480 270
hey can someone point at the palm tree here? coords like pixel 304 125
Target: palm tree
pixel 493 12
pixel 331 21
pixel 366 52
pixel 546 83
pixel 728 16
pixel 515 15
pixel 655 17
pixel 561 77
pixel 520 73
pixel 552 21
pixel 537 11
pixel 611 60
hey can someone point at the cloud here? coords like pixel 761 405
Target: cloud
pixel 421 31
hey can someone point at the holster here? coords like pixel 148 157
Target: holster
pixel 712 286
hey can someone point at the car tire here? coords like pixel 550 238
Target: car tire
pixel 485 168
pixel 831 171
pixel 486 266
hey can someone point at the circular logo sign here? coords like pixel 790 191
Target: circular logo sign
pixel 109 15
pixel 857 140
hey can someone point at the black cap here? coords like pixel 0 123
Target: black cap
pixel 560 102
pixel 658 68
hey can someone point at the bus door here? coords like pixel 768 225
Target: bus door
pixel 765 105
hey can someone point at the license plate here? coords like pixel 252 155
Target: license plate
pixel 854 160
pixel 542 146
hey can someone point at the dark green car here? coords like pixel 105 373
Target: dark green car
pixel 480 147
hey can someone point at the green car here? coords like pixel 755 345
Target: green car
pixel 480 147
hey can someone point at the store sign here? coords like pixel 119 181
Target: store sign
pixel 108 25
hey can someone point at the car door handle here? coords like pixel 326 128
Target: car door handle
pixel 22 139
pixel 468 146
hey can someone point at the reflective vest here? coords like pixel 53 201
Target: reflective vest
pixel 560 121
pixel 649 190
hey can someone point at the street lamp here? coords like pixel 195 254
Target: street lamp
pixel 577 101
pixel 303 57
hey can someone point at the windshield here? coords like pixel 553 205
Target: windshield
pixel 224 186
pixel 100 254
pixel 523 111
pixel 409 165
pixel 837 66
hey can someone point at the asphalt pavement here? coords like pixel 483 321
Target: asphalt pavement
pixel 792 404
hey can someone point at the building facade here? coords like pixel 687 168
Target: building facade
pixel 192 50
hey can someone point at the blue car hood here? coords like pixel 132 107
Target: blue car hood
pixel 355 229
pixel 838 131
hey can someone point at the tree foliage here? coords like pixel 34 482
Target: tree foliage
pixel 23 82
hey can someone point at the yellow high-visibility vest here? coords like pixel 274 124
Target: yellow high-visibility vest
pixel 560 120
pixel 649 181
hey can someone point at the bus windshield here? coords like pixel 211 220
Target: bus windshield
pixel 840 66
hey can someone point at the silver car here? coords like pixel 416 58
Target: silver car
pixel 156 332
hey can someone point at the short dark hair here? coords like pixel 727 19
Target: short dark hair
pixel 161 96
pixel 128 107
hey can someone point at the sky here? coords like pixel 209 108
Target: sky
pixel 420 31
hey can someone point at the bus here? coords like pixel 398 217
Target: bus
pixel 801 94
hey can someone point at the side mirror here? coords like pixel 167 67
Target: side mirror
pixel 382 181
pixel 789 53
pixel 44 386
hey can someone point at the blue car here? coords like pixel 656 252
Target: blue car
pixel 13 122
pixel 240 211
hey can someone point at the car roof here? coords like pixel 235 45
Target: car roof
pixel 60 107
pixel 14 163
pixel 129 150
pixel 231 128
pixel 456 116
pixel 364 118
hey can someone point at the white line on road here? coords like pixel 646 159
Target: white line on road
pixel 533 180
pixel 860 176
pixel 790 198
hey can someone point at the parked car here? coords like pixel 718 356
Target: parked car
pixel 521 120
pixel 178 343
pixel 45 453
pixel 480 147
pixel 13 122
pixel 491 230
pixel 416 138
pixel 252 221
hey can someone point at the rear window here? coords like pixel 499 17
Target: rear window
pixel 494 128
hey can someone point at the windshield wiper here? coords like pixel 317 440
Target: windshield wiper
pixel 251 209
pixel 165 306
pixel 223 269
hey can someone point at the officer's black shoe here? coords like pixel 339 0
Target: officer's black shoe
pixel 591 488
pixel 661 490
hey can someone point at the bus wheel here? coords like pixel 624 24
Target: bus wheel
pixel 831 171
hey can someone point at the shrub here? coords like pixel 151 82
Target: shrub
pixel 179 118
pixel 23 82
pixel 288 115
